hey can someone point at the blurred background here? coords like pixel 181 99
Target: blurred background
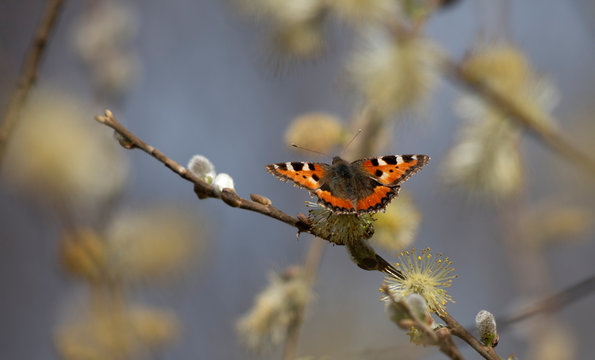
pixel 105 253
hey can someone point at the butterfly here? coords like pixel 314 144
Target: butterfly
pixel 362 186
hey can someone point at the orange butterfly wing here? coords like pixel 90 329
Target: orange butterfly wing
pixel 335 203
pixel 378 200
pixel 388 171
pixel 303 174
pixel 392 170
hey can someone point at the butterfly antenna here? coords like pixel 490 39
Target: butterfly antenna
pixel 350 141
pixel 310 150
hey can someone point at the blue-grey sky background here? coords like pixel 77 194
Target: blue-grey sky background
pixel 206 87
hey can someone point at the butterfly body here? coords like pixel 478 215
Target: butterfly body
pixel 361 186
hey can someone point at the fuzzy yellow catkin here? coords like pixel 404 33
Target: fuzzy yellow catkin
pixel 424 274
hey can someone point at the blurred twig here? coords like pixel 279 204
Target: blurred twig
pixel 311 265
pixel 28 71
pixel 553 302
pixel 551 137
pixel 547 134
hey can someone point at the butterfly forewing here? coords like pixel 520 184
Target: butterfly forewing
pixel 306 175
pixel 392 170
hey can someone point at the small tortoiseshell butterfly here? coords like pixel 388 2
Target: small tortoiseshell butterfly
pixel 363 186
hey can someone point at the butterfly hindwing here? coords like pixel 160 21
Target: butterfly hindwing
pixel 378 200
pixel 306 175
pixel 337 204
pixel 392 170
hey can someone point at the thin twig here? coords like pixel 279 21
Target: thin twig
pixel 447 345
pixel 553 302
pixel 204 190
pixel 458 330
pixel 28 71
pixel 536 126
pixel 425 328
pixel 311 265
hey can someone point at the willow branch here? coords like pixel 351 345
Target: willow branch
pixel 28 71
pixel 258 203
pixel 203 190
pixel 530 122
pixel 458 330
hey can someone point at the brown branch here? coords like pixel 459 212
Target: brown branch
pixel 447 345
pixel 28 71
pixel 203 190
pixel 458 330
pixel 536 126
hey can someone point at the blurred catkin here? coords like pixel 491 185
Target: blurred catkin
pixel 112 330
pixel 103 39
pixel 487 160
pixel 58 155
pixel 396 228
pixel 274 310
pixel 153 244
pixel 394 76
pixel 316 131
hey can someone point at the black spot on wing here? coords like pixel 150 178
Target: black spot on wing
pixel 407 158
pixel 390 159
pixel 315 177
pixel 297 166
pixel 379 173
pixel 282 166
pixel 374 162
pixel 310 166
